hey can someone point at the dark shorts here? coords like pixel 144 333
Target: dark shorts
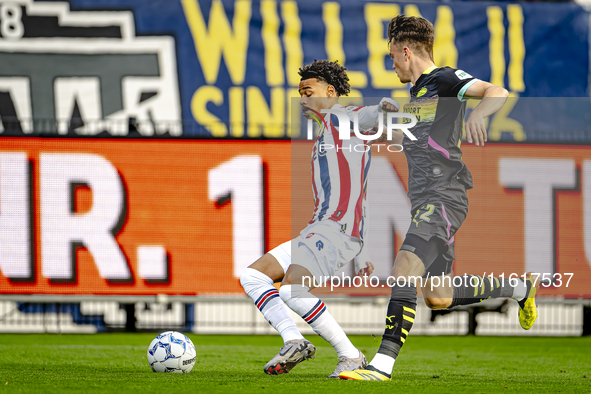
pixel 431 235
pixel 433 254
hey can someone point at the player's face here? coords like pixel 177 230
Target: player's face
pixel 401 62
pixel 315 95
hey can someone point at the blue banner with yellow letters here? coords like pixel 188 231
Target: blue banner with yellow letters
pixel 229 68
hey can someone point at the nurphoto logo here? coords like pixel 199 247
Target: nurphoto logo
pixel 346 121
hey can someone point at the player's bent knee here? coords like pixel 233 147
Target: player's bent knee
pixel 287 292
pixel 253 278
pixel 245 278
pixel 269 266
pixel 438 303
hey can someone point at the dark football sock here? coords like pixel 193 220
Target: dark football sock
pixel 399 319
pixel 474 289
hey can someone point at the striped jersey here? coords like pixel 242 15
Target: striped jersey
pixel 340 169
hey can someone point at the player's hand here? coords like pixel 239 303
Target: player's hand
pixel 388 105
pixel 367 270
pixel 475 129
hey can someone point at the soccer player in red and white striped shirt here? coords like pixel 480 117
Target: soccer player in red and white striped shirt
pixel 335 234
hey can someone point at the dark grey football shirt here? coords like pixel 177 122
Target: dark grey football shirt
pixel 436 170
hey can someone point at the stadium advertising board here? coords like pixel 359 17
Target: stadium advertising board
pixel 228 68
pixel 104 216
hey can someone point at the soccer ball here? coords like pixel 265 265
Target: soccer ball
pixel 172 351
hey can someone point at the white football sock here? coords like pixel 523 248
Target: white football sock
pixel 259 287
pixel 313 311
pixel 519 291
pixel 383 363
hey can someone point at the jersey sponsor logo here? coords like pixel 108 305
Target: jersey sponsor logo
pixel 422 92
pixel 88 70
pixel 424 109
pixel 461 74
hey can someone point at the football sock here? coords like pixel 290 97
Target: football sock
pixel 382 363
pixel 259 287
pixel 399 319
pixel 474 289
pixel 313 311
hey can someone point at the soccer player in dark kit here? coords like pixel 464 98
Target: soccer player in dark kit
pixel 438 180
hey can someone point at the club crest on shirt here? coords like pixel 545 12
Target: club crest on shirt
pixel 422 92
pixel 319 245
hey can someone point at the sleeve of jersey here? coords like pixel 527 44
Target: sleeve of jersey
pixel 361 259
pixel 457 83
pixel 367 116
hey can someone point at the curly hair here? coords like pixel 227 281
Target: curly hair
pixel 330 72
pixel 412 30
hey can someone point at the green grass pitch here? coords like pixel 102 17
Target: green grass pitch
pixel 116 363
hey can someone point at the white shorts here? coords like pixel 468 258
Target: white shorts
pixel 331 249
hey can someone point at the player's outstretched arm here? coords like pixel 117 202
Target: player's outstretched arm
pixel 386 105
pixel 493 98
pixel 368 117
